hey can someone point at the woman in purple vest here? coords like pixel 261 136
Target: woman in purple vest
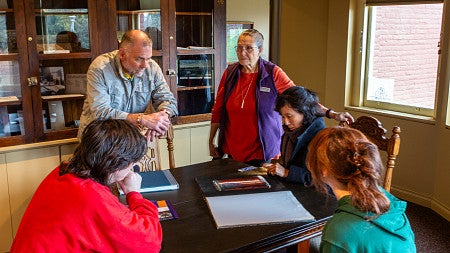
pixel 250 129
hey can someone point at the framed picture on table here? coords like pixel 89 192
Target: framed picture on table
pixel 234 29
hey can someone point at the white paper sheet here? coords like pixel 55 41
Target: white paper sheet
pixel 257 209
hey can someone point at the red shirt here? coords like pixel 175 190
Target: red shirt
pixel 241 131
pixel 70 214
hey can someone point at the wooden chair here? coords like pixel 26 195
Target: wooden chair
pixel 375 132
pixel 152 160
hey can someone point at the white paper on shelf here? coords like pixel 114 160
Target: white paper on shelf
pixel 56 115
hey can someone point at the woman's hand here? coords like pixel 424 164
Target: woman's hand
pixel 276 169
pixel 131 182
pixel 342 117
pixel 213 151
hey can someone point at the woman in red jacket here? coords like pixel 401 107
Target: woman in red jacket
pixel 73 209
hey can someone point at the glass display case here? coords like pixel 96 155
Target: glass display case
pixel 63 44
pixel 46 48
pixel 10 91
pixel 195 84
pixel 189 48
pixel 45 51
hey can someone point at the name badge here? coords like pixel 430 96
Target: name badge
pixel 265 89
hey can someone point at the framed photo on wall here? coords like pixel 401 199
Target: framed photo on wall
pixel 234 29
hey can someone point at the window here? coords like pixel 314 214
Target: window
pixel 401 56
pixel 234 29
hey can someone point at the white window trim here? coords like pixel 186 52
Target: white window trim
pixel 356 92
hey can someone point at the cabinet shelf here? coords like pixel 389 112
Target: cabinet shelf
pixel 61 11
pixel 194 77
pixel 9 57
pixel 13 100
pixel 63 97
pixel 56 56
pixel 184 88
pixel 137 12
pixel 183 13
pixel 61 134
pixel 195 51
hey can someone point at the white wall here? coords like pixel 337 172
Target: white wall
pixel 303 42
pixel 257 11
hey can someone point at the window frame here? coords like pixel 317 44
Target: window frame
pixel 358 93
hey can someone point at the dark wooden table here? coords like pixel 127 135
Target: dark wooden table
pixel 195 230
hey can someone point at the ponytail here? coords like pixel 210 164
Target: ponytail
pixel 354 161
pixel 364 183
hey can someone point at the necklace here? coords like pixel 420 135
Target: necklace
pixel 246 92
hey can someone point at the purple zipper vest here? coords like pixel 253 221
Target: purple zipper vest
pixel 269 121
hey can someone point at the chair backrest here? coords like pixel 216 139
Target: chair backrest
pixel 375 132
pixel 152 160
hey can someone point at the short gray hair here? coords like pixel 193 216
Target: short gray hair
pixel 255 34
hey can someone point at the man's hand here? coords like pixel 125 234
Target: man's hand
pixel 157 124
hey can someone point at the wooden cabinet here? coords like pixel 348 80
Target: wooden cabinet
pixel 188 43
pixel 45 50
pixel 46 47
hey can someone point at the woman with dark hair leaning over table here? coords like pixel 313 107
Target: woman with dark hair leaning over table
pixel 302 119
pixel 249 129
pixel 73 209
pixel 368 218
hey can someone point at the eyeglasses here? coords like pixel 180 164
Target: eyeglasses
pixel 247 49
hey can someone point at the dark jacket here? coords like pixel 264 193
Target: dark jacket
pixel 269 121
pixel 297 163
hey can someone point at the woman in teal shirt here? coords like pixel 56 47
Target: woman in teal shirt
pixel 368 218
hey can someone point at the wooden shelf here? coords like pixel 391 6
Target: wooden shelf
pixel 181 88
pixel 196 51
pixel 185 13
pixel 63 97
pixel 194 78
pixel 13 100
pixel 75 55
pixel 61 11
pixel 138 12
pixel 9 57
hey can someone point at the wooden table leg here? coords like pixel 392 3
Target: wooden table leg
pixel 303 247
